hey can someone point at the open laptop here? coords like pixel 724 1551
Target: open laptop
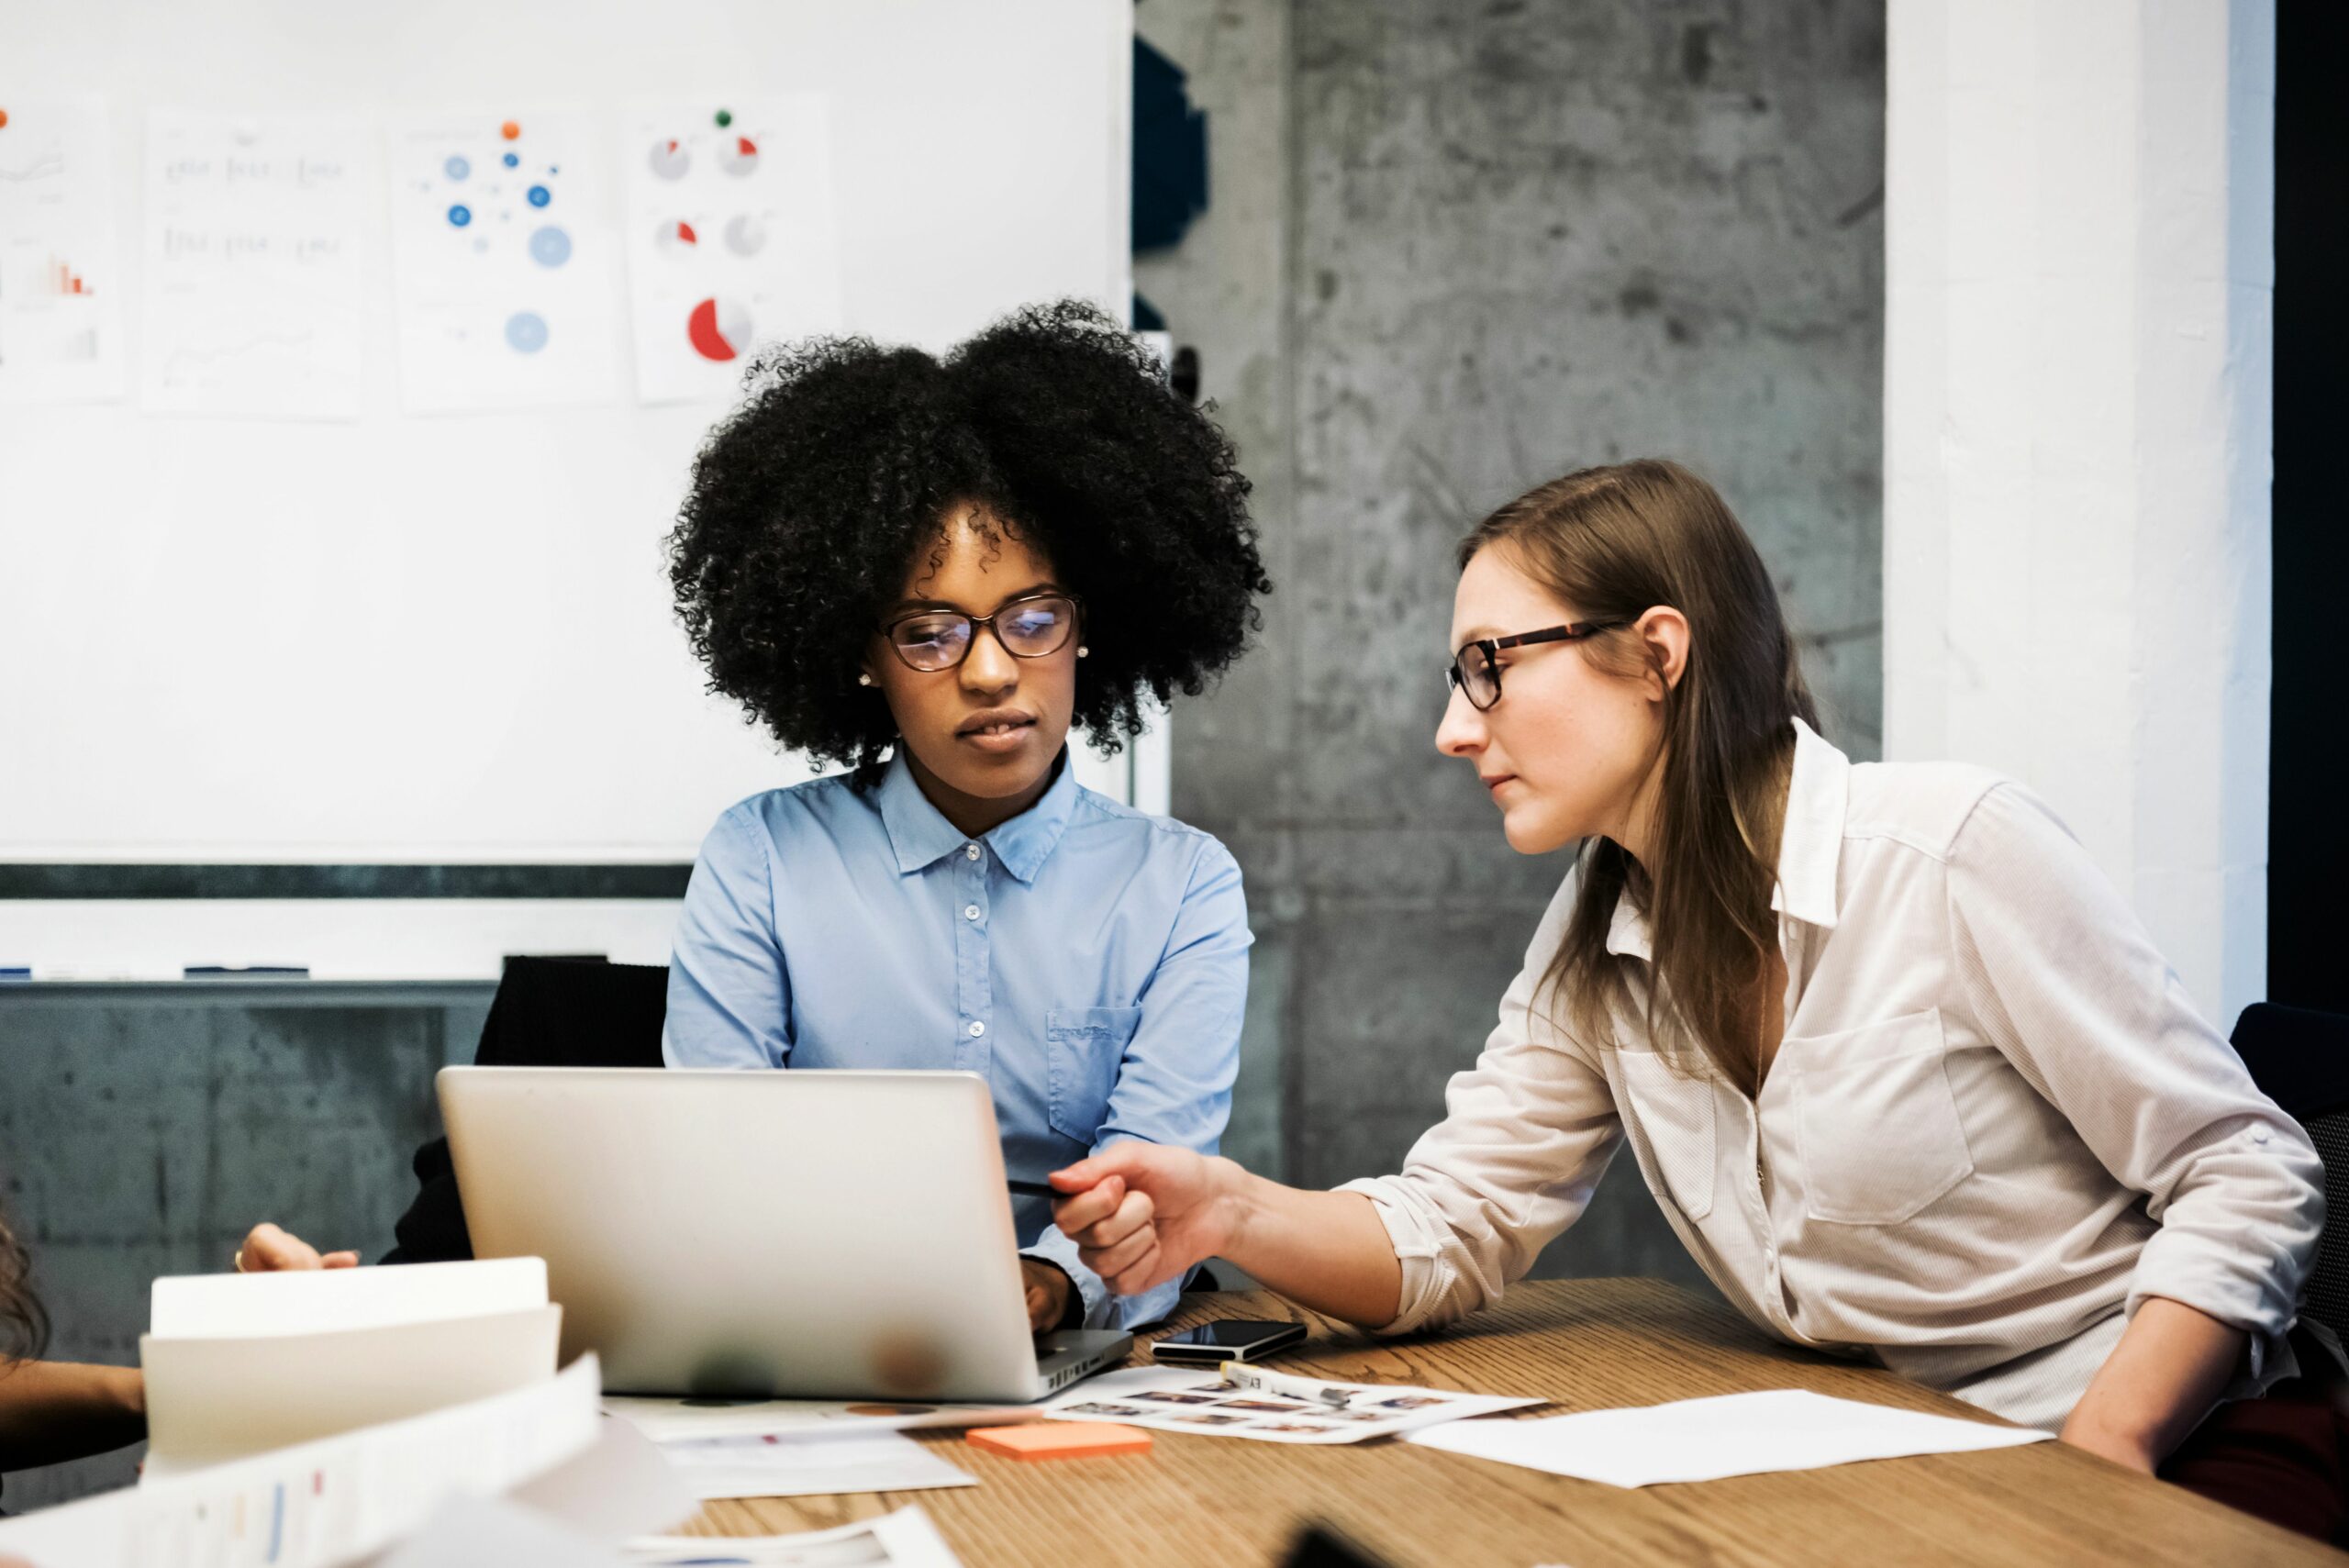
pixel 807 1234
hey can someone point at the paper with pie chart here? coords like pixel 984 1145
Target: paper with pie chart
pixel 505 258
pixel 60 285
pixel 254 281
pixel 731 237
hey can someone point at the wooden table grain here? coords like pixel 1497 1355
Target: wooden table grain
pixel 1583 1344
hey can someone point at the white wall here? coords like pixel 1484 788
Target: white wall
pixel 2079 265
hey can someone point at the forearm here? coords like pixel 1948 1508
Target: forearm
pixel 1325 1251
pixel 53 1411
pixel 2159 1381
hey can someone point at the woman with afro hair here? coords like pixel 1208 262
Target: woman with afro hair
pixel 927 570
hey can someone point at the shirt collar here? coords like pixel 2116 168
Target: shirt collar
pixel 921 837
pixel 1810 843
pixel 1811 847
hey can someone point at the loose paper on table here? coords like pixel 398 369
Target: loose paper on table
pixel 1174 1400
pixel 1704 1440
pixel 903 1540
pixel 809 1464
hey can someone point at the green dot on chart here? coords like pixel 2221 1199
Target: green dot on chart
pixel 725 118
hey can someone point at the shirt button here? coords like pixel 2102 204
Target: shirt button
pixel 977 1028
pixel 970 851
pixel 2259 1135
pixel 970 911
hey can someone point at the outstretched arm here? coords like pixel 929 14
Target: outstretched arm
pixel 1142 1213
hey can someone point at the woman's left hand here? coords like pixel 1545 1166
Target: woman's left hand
pixel 1048 1291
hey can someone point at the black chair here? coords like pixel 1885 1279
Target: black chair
pixel 549 1012
pixel 2299 1059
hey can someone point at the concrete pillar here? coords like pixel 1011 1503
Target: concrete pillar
pixel 2080 287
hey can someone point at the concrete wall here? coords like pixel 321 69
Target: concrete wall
pixel 146 1128
pixel 1451 252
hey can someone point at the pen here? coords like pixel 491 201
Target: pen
pixel 1033 1189
pixel 1334 1395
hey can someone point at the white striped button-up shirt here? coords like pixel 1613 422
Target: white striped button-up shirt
pixel 1994 1125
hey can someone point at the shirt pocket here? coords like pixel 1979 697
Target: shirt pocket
pixel 1673 1115
pixel 1877 1123
pixel 1083 1047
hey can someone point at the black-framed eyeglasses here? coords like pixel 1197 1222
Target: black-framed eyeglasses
pixel 1028 628
pixel 1476 670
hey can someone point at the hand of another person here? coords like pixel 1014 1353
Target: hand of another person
pixel 1141 1214
pixel 1048 1293
pixel 268 1250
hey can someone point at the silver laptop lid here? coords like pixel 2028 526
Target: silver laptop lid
pixel 806 1233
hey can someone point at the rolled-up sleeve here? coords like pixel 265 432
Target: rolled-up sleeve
pixel 729 996
pixel 2069 987
pixel 1173 1084
pixel 1526 1134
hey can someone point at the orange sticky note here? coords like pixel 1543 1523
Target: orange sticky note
pixel 1061 1440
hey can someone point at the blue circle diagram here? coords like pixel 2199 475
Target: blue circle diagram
pixel 526 332
pixel 513 160
pixel 456 168
pixel 460 215
pixel 540 196
pixel 549 246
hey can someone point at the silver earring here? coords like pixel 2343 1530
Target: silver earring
pixel 1082 650
pixel 864 680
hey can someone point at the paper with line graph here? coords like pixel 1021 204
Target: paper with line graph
pixel 60 316
pixel 254 286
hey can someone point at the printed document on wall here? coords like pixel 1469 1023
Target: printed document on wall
pixel 61 281
pixel 254 282
pixel 732 238
pixel 504 254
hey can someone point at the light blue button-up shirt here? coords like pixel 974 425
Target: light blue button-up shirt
pixel 1089 961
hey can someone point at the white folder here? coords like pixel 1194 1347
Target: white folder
pixel 241 1363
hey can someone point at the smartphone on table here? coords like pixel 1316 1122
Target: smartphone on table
pixel 1226 1339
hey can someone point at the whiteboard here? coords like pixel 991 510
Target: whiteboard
pixel 403 639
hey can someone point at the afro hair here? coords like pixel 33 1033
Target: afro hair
pixel 811 500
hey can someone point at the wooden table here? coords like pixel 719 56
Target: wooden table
pixel 1586 1344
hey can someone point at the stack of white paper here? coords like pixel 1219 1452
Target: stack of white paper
pixel 334 1501
pixel 1704 1440
pixel 242 1363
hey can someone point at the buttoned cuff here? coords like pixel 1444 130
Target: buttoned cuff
pixel 1100 1307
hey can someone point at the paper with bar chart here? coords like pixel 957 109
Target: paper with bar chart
pixel 732 239
pixel 506 261
pixel 254 270
pixel 60 314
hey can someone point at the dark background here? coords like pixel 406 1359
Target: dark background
pixel 2308 834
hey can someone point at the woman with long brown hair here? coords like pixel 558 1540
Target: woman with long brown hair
pixel 1904 1071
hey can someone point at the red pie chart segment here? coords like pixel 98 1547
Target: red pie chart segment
pixel 719 330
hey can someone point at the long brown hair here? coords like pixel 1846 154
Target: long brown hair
pixel 24 1327
pixel 1614 543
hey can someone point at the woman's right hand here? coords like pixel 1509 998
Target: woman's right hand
pixel 268 1250
pixel 1141 1214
